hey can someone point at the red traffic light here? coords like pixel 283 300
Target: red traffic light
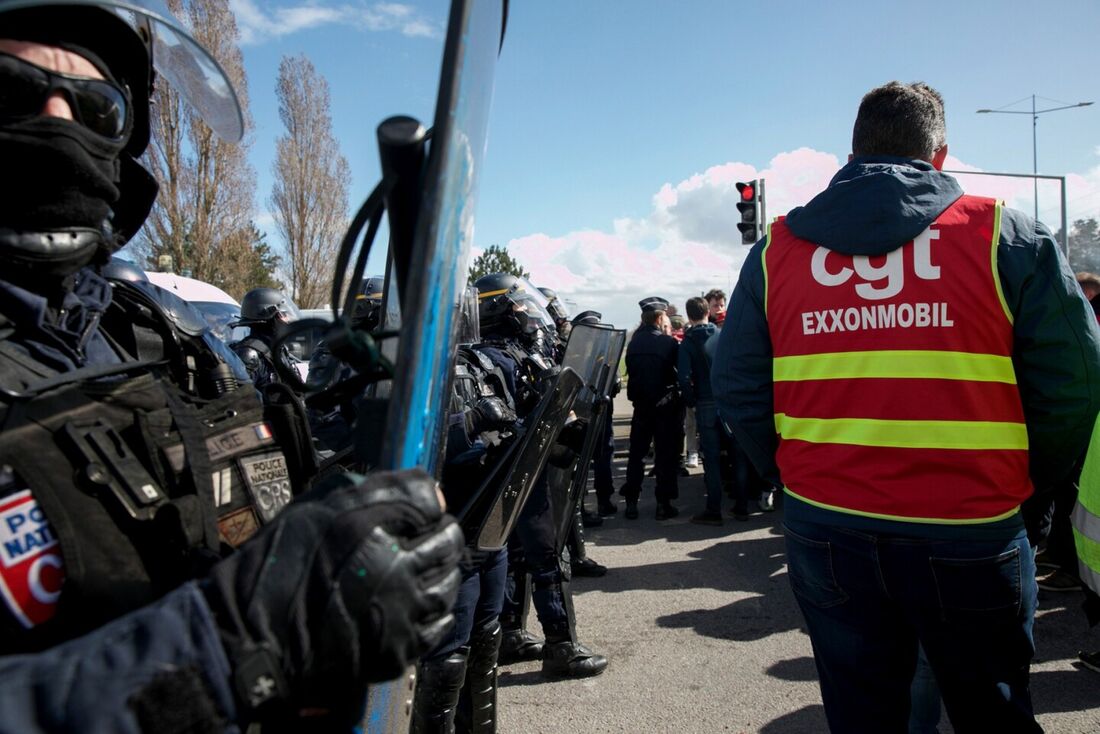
pixel 748 193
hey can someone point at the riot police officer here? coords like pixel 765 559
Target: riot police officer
pixel 456 686
pixel 267 311
pixel 510 320
pixel 559 311
pixel 120 478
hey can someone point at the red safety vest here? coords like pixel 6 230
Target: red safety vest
pixel 895 394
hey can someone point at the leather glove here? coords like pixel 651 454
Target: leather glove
pixel 351 583
pixel 570 443
pixel 572 434
pixel 489 414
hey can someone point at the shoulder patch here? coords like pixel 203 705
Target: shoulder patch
pixel 31 568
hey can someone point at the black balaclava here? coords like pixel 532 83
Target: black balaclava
pixel 57 174
pixel 61 183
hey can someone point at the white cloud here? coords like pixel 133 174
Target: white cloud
pixel 262 24
pixel 689 242
pixel 686 245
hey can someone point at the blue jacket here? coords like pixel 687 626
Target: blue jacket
pixel 693 365
pixel 63 335
pixel 92 682
pixel 872 206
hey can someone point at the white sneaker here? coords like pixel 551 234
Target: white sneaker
pixel 766 503
pixel 692 460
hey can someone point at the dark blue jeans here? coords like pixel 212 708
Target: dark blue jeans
pixel 710 441
pixel 868 599
pixel 480 598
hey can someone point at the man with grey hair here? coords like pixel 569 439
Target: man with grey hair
pixel 924 364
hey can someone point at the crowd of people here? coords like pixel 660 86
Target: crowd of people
pixel 668 367
pixel 196 536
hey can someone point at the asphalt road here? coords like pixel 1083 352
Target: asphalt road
pixel 703 635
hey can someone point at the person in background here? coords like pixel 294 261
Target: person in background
pixel 693 373
pixel 716 303
pixel 658 417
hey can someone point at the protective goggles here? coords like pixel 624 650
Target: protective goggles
pixel 99 105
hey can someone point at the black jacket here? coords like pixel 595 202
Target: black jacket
pixel 650 366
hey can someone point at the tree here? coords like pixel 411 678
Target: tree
pixel 309 199
pixel 1084 245
pixel 496 259
pixel 203 214
pixel 256 264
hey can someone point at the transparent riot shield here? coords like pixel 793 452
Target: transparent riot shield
pixel 492 512
pixel 593 351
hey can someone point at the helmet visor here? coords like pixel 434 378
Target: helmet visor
pixel 177 56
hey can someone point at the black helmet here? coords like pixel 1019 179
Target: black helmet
pixel 509 305
pixel 126 39
pixel 266 306
pixel 368 303
pixel 556 306
pixel 493 284
pixel 119 269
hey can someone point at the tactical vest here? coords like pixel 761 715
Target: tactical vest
pixel 116 486
pixel 895 393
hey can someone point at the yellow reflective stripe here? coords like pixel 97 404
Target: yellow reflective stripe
pixel 990 435
pixel 490 294
pixel 904 518
pixel 1086 538
pixel 993 260
pixel 900 363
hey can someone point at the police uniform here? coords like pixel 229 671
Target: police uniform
pixel 458 679
pixel 658 413
pixel 175 465
pixel 525 355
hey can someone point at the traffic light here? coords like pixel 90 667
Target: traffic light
pixel 751 206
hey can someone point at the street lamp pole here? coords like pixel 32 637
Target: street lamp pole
pixel 1035 137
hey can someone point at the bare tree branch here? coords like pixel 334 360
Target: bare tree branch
pixel 309 199
pixel 203 215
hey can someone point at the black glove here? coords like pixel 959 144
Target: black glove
pixel 351 583
pixel 490 414
pixel 572 434
pixel 570 443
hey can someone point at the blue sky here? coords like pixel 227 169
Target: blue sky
pixel 619 127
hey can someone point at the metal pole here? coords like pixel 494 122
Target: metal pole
pixel 1035 153
pixel 1065 221
pixel 1061 179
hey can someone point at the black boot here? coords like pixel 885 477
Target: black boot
pixel 519 646
pixel 477 704
pixel 569 659
pixel 436 695
pixel 563 655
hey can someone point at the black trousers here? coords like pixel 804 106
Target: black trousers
pixel 662 426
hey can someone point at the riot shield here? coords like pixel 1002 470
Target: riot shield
pixel 593 351
pixel 492 512
pixel 431 208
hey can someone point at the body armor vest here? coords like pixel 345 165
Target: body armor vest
pixel 117 485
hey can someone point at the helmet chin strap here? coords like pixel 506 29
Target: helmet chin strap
pixel 51 254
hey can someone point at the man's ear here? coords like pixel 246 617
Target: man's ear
pixel 939 157
pixel 851 156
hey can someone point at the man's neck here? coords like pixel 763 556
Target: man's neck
pixel 697 323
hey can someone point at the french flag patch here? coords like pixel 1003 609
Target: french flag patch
pixel 263 432
pixel 31 568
